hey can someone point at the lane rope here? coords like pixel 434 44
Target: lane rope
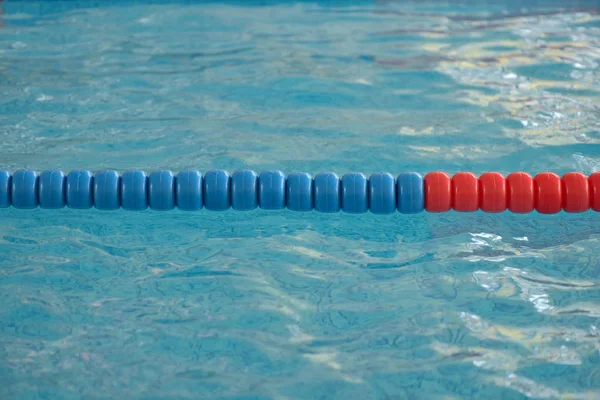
pixel 381 193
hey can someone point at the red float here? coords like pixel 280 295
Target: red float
pixel 576 192
pixel 438 192
pixel 520 193
pixel 465 192
pixel 493 192
pixel 594 181
pixel 548 193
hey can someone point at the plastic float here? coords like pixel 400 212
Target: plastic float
pixel 244 190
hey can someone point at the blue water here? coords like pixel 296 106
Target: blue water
pixel 283 305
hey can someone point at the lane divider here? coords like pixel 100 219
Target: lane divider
pixel 244 190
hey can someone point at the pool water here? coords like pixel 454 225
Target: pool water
pixel 284 305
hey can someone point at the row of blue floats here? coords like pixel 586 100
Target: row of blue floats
pixel 217 190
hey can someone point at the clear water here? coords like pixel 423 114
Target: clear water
pixel 282 305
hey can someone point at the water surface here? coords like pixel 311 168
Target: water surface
pixel 283 305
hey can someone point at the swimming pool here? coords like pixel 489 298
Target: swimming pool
pixel 288 305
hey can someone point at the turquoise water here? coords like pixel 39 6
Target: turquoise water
pixel 283 305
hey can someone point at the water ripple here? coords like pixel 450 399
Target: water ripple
pixel 299 305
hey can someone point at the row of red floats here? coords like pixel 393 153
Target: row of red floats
pixel 520 193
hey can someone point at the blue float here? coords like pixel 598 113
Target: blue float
pixel 300 192
pixel 410 193
pixel 327 193
pixel 355 193
pixel 188 190
pixel 161 190
pixel 80 190
pixel 24 189
pixel 107 190
pixel 52 189
pixel 217 190
pixel 271 190
pixel 134 190
pixel 244 190
pixel 382 193
pixel 5 182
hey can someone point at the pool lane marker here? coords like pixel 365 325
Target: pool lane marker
pixel 245 190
